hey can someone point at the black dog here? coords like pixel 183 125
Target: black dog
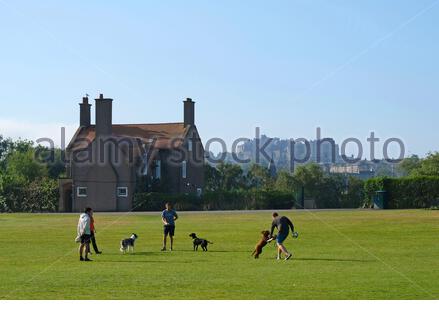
pixel 199 242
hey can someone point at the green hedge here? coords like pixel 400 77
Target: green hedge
pixel 153 201
pixel 38 196
pixel 231 200
pixel 405 193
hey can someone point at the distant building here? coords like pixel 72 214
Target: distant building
pixel 109 162
pixel 362 170
pixel 324 151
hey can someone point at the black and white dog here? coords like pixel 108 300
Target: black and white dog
pixel 199 242
pixel 127 244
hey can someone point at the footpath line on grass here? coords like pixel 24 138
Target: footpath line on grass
pixel 371 254
pixel 121 215
pixel 315 215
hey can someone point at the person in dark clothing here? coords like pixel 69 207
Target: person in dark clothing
pixel 283 225
pixel 93 231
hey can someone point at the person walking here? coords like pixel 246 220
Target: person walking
pixel 93 231
pixel 283 225
pixel 168 218
pixel 84 233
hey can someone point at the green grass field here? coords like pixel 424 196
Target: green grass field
pixel 339 255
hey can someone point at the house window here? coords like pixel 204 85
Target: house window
pixel 189 145
pixel 122 192
pixel 158 169
pixel 81 192
pixel 184 170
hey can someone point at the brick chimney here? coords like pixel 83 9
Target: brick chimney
pixel 189 112
pixel 84 113
pixel 104 116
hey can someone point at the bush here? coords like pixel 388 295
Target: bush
pixel 3 204
pixel 371 186
pixel 41 195
pixel 226 200
pixel 154 201
pixel 353 197
pixel 405 193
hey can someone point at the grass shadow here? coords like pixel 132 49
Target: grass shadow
pixel 151 261
pixel 333 260
pixel 220 251
pixel 129 261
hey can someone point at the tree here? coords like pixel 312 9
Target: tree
pixel 3 203
pixel 6 145
pixel 353 197
pixel 224 177
pixel 258 177
pixel 22 166
pixel 428 167
pixel 53 159
pixel 309 176
pixel 408 165
pixel 328 191
pixel 27 184
pixel 286 182
pixel 231 177
pixel 212 178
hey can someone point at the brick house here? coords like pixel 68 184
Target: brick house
pixel 107 163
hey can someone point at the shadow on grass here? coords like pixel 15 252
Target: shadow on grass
pixel 152 261
pixel 333 260
pixel 144 253
pixel 129 261
pixel 132 257
pixel 219 251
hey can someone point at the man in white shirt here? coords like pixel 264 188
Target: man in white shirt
pixel 84 233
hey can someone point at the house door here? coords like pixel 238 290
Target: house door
pixel 67 199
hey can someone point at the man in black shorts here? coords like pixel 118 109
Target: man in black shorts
pixel 84 233
pixel 168 217
pixel 283 225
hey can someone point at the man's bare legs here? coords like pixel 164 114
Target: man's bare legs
pixel 281 248
pixel 279 253
pixel 81 250
pixel 164 242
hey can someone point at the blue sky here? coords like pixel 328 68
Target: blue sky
pixel 350 67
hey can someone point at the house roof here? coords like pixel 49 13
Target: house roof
pixel 162 134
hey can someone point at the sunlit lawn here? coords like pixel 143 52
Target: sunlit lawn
pixel 339 255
